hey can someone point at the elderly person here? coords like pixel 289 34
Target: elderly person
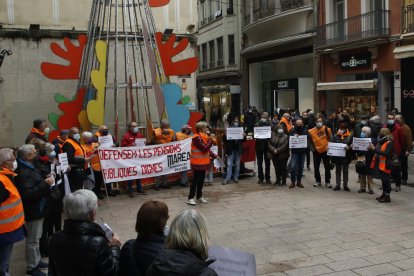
pixel 297 160
pixel 278 151
pixel 261 151
pixel 200 162
pixel 33 189
pixel 137 254
pixel 39 130
pixel 363 163
pixel 11 209
pixel 381 163
pixel 186 248
pixel 60 140
pixel 82 247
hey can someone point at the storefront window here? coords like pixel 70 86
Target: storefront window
pixel 216 101
pixel 358 101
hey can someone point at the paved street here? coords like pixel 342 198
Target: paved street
pixel 310 231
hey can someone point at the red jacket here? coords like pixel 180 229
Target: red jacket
pixel 398 138
pixel 128 139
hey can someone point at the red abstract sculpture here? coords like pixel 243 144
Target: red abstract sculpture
pixel 73 54
pixel 168 51
pixel 158 3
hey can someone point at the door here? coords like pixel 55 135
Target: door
pixel 284 99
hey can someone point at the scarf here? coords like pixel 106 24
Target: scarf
pixel 35 130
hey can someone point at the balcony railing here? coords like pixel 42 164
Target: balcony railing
pixel 407 19
pixel 365 26
pixel 286 5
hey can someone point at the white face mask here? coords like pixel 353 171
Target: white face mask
pixel 14 165
pixel 363 122
pixel 135 130
pixel 76 136
pixel 319 125
pixel 52 154
pixel 280 131
pixel 47 130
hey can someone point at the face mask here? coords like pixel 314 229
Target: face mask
pixel 342 131
pixel 280 131
pixel 165 130
pixel 363 135
pixel 363 122
pixel 104 132
pixel 47 130
pixel 236 124
pixel 298 127
pixel 14 166
pixel 319 125
pixel 135 130
pixel 377 122
pixel 76 137
pixel 390 122
pixel 52 154
pixel 263 120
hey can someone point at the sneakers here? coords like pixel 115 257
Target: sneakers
pixel 201 200
pixel 397 188
pixel 225 182
pixel 191 202
pixel 35 272
pixel 317 184
pixel 42 265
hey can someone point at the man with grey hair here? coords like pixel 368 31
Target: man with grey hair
pixel 82 247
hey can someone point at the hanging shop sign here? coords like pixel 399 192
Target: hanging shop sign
pixel 362 60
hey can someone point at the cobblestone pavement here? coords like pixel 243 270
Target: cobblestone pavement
pixel 310 231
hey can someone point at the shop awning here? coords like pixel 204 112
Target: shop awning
pixel 404 51
pixel 365 84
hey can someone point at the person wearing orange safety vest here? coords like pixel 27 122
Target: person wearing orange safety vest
pixel 39 130
pixel 78 161
pixel 11 209
pixel 285 122
pixel 200 162
pixel 163 135
pixel 321 135
pixel 184 134
pixel 381 163
pixel 60 140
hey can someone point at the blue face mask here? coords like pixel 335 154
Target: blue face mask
pixel 363 135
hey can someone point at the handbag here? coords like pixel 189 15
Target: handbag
pixel 360 162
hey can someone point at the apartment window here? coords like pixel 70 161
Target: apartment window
pixel 376 5
pixel 232 56
pixel 212 54
pixel 205 56
pixel 220 61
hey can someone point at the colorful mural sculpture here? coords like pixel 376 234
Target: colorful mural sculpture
pixel 135 48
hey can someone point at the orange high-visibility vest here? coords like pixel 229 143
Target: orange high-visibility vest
pixel 383 160
pixel 199 157
pixel 79 150
pixel 95 164
pixel 11 210
pixel 181 136
pixel 161 138
pixel 319 138
pixel 287 123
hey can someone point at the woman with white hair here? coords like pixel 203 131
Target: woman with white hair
pixel 82 247
pixel 363 163
pixel 33 188
pixel 11 210
pixel 186 248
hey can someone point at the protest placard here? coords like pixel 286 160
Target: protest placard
pixel 127 163
pixel 64 162
pixel 217 162
pixel 230 262
pixel 234 133
pixel 140 142
pixel 106 141
pixel 361 144
pixel 298 141
pixel 262 132
pixel 336 149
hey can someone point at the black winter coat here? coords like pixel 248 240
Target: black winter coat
pixel 137 255
pixel 33 190
pixel 279 143
pixel 81 249
pixel 173 262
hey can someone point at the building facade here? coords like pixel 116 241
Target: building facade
pixel 27 29
pixel 355 43
pixel 218 42
pixel 277 54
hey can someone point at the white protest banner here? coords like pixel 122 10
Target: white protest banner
pixel 336 149
pixel 140 142
pixel 361 144
pixel 121 164
pixel 298 141
pixel 234 133
pixel 230 262
pixel 106 141
pixel 64 162
pixel 262 132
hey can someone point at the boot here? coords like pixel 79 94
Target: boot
pixel 299 185
pixel 292 185
pixel 380 197
pixel 385 199
pixel 337 187
pixel 346 188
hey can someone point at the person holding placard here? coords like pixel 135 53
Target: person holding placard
pixel 363 163
pixel 297 160
pixel 233 150
pixel 321 135
pixel 343 136
pixel 278 151
pixel 261 152
pixel 381 163
pixel 129 140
